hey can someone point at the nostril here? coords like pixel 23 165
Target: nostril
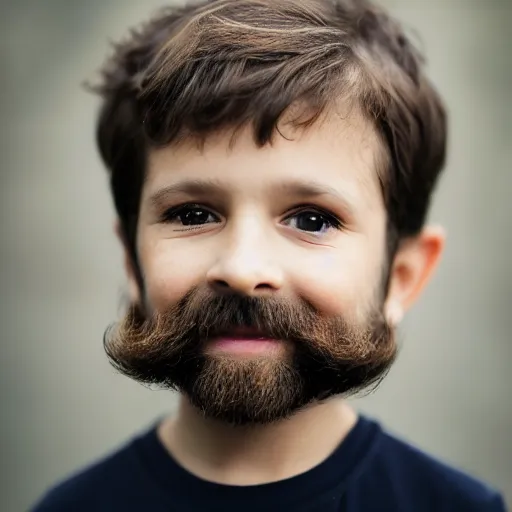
pixel 264 286
pixel 221 284
pixel 225 286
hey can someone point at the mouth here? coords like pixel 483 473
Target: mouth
pixel 244 341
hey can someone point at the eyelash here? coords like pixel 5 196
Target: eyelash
pixel 173 214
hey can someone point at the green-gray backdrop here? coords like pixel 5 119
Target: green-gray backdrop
pixel 63 406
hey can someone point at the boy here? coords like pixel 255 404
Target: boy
pixel 224 124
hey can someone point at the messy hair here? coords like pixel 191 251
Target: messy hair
pixel 220 64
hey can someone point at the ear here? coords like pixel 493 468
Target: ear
pixel 414 264
pixel 133 287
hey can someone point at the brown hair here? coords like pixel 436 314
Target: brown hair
pixel 217 64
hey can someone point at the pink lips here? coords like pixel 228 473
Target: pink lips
pixel 243 341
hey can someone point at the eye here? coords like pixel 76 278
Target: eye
pixel 189 215
pixel 313 221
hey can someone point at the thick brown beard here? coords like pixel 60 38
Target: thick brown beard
pixel 330 357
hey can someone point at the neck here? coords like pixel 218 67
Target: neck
pixel 226 454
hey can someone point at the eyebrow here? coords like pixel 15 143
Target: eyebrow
pixel 305 189
pixel 210 187
pixel 191 187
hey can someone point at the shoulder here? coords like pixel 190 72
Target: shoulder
pixel 416 475
pixel 96 485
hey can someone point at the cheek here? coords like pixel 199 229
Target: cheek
pixel 342 281
pixel 169 273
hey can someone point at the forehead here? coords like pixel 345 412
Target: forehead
pixel 341 151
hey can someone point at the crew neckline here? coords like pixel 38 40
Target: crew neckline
pixel 333 473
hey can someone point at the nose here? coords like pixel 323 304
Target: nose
pixel 244 267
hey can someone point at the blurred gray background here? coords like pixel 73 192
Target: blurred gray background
pixel 63 406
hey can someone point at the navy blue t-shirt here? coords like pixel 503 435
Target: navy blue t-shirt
pixel 371 471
